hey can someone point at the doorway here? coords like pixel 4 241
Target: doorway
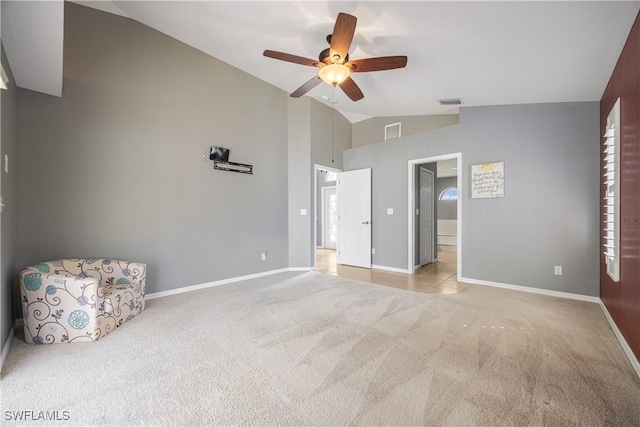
pixel 426 217
pixel 435 220
pixel 325 235
pixel 329 218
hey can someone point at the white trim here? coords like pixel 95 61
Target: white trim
pixel 7 346
pixel 316 168
pixel 625 346
pixel 394 269
pixel 220 282
pixel 611 238
pixel 411 244
pixel 4 80
pixel 319 209
pixel 323 197
pixel 300 269
pixel 559 294
pixel 623 342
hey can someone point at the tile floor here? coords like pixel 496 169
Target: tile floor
pixel 439 277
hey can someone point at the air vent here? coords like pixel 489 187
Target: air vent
pixel 392 131
pixel 452 101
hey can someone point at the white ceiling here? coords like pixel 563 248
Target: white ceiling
pixel 32 35
pixel 447 168
pixel 487 53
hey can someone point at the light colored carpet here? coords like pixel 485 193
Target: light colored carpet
pixel 309 349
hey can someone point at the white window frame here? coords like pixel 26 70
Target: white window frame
pixel 611 236
pixel 330 176
pixel 446 191
pixel 4 80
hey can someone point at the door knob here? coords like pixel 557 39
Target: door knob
pixel 366 222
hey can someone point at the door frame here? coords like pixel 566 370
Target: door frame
pixel 411 202
pixel 434 254
pixel 316 168
pixel 323 201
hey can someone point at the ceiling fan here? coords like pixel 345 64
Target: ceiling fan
pixel 335 66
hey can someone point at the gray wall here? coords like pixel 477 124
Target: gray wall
pixel 549 215
pixel 114 168
pixel 8 146
pixel 372 130
pixel 330 136
pixel 311 124
pixel 299 154
pixel 447 209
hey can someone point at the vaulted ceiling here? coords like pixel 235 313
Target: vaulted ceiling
pixel 487 53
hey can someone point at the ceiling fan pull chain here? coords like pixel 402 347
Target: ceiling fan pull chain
pixel 333 122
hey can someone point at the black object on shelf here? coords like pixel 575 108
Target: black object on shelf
pixel 220 157
pixel 233 167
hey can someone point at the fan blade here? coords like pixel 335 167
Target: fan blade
pixel 342 34
pixel 292 58
pixel 306 87
pixel 377 64
pixel 351 89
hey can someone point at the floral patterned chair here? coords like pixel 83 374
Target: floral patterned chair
pixel 74 300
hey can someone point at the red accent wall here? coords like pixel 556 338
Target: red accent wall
pixel 622 299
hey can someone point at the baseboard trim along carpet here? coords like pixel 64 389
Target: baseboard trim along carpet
pixel 623 342
pixel 559 294
pixel 219 282
pixel 393 269
pixel 7 346
pixel 306 348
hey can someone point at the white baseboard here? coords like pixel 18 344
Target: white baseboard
pixel 177 291
pixel 531 290
pixel 394 269
pixel 301 268
pixel 623 342
pixel 7 346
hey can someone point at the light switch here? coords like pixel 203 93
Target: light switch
pixel 303 211
pixel 389 211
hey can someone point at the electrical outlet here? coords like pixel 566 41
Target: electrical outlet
pixel 264 256
pixel 373 251
pixel 389 211
pixel 557 270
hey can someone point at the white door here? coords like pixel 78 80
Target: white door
pixel 354 218
pixel 426 216
pixel 329 217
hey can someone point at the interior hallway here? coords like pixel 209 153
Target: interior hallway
pixel 439 277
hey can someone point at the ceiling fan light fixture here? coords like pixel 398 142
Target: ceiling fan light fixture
pixel 334 74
